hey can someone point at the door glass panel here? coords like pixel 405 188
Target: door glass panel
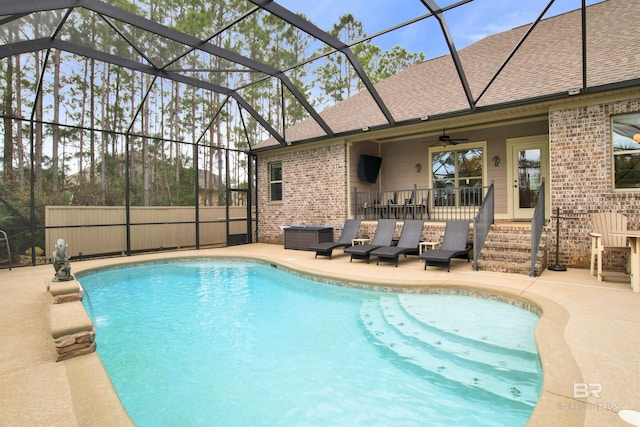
pixel 529 177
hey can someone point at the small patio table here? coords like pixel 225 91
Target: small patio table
pixel 362 241
pixel 634 239
pixel 423 246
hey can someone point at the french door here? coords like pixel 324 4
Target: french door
pixel 529 164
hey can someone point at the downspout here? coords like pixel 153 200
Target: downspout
pixel 348 146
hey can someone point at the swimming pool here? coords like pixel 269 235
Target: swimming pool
pixel 209 342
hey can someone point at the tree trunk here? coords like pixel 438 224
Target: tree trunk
pixel 145 140
pixel 38 135
pixel 82 117
pixel 8 123
pixel 92 120
pixel 19 134
pixel 104 147
pixel 176 124
pixel 55 129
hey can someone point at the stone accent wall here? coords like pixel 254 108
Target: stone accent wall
pixel 314 190
pixel 581 178
pixel 71 328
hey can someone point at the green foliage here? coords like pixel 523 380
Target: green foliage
pixel 339 80
pixel 85 164
pixel 391 62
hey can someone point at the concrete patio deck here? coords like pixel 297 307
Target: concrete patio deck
pixel 589 335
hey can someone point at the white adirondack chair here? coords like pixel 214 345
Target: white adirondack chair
pixel 603 241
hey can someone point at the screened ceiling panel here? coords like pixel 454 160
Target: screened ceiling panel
pixel 206 19
pixel 29 27
pixel 518 71
pixel 93 31
pixel 213 69
pixel 291 70
pixel 278 43
pixel 388 14
pixel 155 48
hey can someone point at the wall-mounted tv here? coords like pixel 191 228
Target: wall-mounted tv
pixel 369 167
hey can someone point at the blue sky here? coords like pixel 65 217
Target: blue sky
pixel 467 23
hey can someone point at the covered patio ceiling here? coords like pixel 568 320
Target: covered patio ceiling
pixel 212 47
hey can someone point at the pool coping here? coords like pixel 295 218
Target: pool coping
pixel 563 299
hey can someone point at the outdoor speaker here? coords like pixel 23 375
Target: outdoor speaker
pixel 369 167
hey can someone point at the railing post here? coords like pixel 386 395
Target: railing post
pixel 537 223
pixel 414 201
pixel 482 223
pixel 476 251
pixel 355 203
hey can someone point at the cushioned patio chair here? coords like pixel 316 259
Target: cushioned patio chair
pixel 408 243
pixel 454 245
pixel 349 232
pixel 383 237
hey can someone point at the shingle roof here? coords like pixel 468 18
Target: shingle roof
pixel 548 62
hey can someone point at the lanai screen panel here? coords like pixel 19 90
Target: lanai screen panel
pixel 316 54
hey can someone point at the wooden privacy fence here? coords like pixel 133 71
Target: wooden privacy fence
pixel 99 230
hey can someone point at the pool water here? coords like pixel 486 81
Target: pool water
pixel 220 343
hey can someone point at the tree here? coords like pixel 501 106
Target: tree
pixel 391 62
pixel 338 78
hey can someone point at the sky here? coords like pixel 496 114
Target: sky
pixel 467 23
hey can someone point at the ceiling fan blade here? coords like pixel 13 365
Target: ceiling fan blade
pixel 457 140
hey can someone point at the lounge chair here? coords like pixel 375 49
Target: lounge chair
pixel 408 243
pixel 349 232
pixel 383 237
pixel 454 245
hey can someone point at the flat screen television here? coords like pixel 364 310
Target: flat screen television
pixel 369 167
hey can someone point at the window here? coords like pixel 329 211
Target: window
pixel 626 151
pixel 457 175
pixel 275 181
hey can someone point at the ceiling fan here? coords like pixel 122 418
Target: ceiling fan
pixel 446 139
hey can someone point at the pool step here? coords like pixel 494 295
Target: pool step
pixel 394 330
pixel 501 337
pixel 455 342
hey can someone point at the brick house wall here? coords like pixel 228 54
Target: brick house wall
pixel 582 178
pixel 314 190
pixel 315 183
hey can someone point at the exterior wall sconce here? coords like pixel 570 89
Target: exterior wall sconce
pixel 496 161
pixel 418 167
